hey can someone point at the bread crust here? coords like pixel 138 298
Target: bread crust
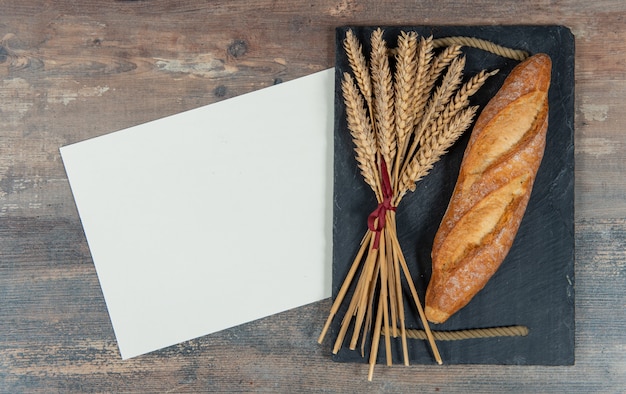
pixel 492 191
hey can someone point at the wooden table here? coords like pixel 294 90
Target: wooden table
pixel 71 70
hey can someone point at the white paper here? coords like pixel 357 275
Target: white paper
pixel 213 217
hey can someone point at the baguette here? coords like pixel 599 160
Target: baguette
pixel 492 191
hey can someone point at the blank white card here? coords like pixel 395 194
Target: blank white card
pixel 213 217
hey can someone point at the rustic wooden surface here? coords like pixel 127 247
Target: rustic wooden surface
pixel 70 70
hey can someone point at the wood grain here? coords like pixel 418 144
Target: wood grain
pixel 73 70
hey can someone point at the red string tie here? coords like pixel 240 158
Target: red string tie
pixel 380 212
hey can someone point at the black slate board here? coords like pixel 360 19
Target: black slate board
pixel 535 284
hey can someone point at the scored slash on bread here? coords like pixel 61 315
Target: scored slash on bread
pixel 492 191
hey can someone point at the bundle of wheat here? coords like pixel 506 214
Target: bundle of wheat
pixel 405 108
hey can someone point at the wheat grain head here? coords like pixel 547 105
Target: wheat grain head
pixel 421 91
pixel 459 101
pixel 440 99
pixel 358 64
pixel 382 87
pixel 362 135
pixel 406 67
pixel 433 148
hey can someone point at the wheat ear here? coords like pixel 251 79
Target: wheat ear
pixel 421 90
pixel 440 63
pixel 406 67
pixel 359 67
pixel 433 148
pixel 435 105
pixel 443 94
pixel 429 69
pixel 382 86
pixel 423 58
pixel 458 102
pixel 361 131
